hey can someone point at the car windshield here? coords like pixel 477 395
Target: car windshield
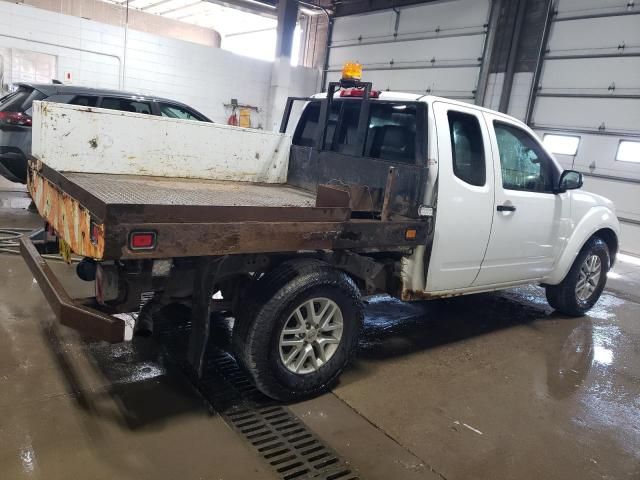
pixel 20 100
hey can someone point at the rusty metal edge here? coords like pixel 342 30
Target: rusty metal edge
pixel 79 317
pixel 93 204
pixel 207 239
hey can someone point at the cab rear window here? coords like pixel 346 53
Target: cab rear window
pixel 20 100
pixel 391 132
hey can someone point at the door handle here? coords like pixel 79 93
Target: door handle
pixel 506 208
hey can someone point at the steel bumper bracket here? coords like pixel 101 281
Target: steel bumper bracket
pixel 72 313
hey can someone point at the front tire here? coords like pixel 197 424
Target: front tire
pixel 582 286
pixel 299 329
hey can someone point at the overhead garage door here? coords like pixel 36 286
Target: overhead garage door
pixel 589 87
pixel 435 48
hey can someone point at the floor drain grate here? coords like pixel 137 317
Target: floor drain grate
pixel 275 432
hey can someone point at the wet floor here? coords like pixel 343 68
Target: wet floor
pixel 487 386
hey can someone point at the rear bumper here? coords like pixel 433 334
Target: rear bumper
pixel 69 312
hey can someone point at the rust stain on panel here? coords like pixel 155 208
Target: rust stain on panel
pixel 409 295
pixel 69 219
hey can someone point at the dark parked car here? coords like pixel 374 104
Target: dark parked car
pixel 15 116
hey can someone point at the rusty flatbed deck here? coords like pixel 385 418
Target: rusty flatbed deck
pixel 139 190
pixel 96 213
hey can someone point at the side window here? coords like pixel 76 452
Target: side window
pixel 467 148
pixel 392 132
pixel 126 105
pixel 307 128
pixel 176 111
pixel 525 166
pixel 85 100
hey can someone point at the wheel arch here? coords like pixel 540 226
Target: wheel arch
pixel 608 236
pixel 599 222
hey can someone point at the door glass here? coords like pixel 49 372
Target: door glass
pixel 525 166
pixel 126 105
pixel 175 111
pixel 467 148
pixel 85 100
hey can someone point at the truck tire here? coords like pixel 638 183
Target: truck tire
pixel 298 329
pixel 582 286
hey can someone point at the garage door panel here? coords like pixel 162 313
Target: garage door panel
pixel 630 238
pixel 592 75
pixel 437 47
pixel 448 82
pixel 588 113
pixel 590 7
pixel 590 82
pixel 597 154
pixel 625 195
pixel 363 27
pixel 604 34
pixel 450 51
pixel 458 16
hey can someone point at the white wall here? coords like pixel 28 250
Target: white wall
pixel 93 52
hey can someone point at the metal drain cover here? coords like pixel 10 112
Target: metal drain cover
pixel 274 432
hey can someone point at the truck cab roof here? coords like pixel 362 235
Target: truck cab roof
pixel 429 99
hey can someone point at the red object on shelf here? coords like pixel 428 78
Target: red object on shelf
pixel 233 119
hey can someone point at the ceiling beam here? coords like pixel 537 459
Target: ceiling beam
pixel 181 7
pixel 354 7
pixel 266 8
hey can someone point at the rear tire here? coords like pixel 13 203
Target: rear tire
pixel 583 284
pixel 298 329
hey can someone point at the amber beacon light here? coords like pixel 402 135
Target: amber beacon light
pixel 352 71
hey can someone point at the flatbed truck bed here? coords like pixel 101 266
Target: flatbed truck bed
pixel 194 217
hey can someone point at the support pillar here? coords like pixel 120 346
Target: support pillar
pixel 281 70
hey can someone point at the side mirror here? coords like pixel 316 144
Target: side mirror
pixel 569 180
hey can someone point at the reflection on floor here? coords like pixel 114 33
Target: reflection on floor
pixel 486 386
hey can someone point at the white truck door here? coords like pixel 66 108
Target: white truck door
pixel 465 197
pixel 528 229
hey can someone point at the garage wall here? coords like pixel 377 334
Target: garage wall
pixel 200 76
pixel 435 48
pixel 589 86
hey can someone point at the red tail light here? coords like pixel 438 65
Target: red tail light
pixel 142 241
pixel 15 118
pixel 358 92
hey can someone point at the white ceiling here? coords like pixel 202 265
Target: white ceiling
pixel 205 14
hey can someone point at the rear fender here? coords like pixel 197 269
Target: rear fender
pixel 595 219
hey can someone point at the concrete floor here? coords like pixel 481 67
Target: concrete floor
pixel 487 386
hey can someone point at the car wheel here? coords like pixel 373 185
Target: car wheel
pixel 582 286
pixel 299 329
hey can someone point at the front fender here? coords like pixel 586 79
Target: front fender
pixel 595 219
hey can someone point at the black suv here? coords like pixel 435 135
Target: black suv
pixel 15 116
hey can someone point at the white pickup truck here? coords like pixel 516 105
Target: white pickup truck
pixel 416 196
